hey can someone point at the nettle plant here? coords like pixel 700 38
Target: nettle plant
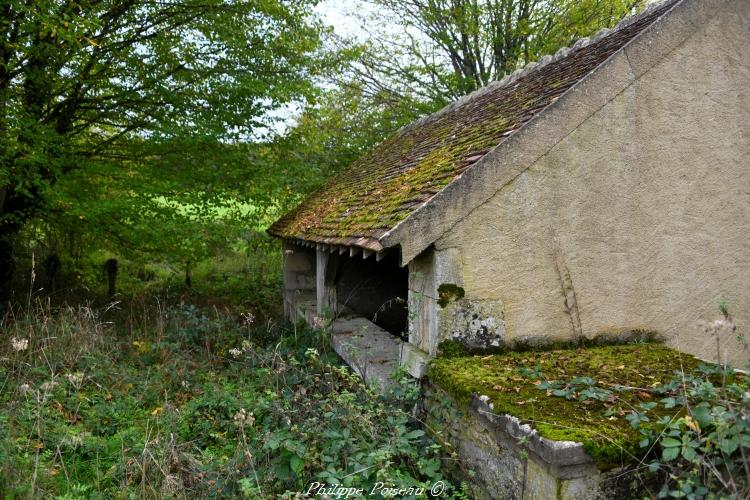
pixel 695 428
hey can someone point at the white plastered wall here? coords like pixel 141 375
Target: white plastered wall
pixel 637 219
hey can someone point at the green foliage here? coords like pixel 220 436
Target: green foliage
pixel 451 349
pixel 444 49
pixel 695 434
pixel 244 276
pixel 340 126
pixel 192 402
pixel 122 123
pixel 406 392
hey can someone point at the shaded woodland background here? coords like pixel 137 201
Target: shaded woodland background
pixel 168 135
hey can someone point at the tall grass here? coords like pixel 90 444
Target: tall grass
pixel 151 401
pixel 244 275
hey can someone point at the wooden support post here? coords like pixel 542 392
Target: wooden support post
pixel 325 287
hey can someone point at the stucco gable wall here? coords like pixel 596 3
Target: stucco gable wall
pixel 640 217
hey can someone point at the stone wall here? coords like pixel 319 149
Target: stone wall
pixel 638 218
pixel 439 309
pixel 299 281
pixel 510 461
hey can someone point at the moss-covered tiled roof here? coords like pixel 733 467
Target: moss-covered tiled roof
pixel 384 186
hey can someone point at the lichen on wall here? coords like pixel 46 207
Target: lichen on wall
pixel 476 324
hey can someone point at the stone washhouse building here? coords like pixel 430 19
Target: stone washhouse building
pixel 601 191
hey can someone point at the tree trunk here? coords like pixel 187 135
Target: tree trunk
pixel 111 267
pixel 51 268
pixel 188 276
pixel 6 269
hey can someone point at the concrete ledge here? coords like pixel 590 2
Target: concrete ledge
pixel 370 351
pixel 304 305
pixel 414 360
pixel 553 452
pixel 511 461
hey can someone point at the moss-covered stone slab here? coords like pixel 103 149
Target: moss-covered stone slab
pixel 608 438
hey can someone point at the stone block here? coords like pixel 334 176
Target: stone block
pixel 511 461
pixel 414 360
pixel 370 351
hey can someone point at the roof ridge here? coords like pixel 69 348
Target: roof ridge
pixel 534 66
pixel 384 188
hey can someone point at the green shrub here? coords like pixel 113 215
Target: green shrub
pixel 695 430
pixel 192 402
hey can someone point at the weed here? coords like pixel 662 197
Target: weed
pixel 185 401
pixel 695 434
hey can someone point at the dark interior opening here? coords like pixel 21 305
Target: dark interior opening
pixel 375 290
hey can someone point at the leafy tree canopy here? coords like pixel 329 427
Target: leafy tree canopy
pixel 110 107
pixel 430 52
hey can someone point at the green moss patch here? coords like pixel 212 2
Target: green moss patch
pixel 452 349
pixel 609 439
pixel 448 292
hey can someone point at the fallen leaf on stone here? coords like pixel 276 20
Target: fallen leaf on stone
pixel 644 395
